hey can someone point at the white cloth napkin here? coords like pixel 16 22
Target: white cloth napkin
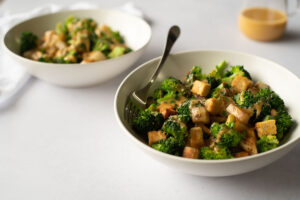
pixel 13 78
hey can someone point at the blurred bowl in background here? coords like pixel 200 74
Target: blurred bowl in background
pixel 136 31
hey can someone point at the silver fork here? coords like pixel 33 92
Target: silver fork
pixel 137 100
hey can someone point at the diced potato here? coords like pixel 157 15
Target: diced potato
pixel 266 128
pixel 155 136
pixel 241 114
pixel 196 138
pixel 190 152
pixel 166 109
pixel 240 84
pixel 241 154
pixel 200 114
pixel 214 106
pixel 201 88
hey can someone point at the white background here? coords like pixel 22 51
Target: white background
pixel 58 143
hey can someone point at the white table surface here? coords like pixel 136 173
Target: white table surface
pixel 58 143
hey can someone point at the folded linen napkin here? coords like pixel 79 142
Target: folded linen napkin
pixel 13 77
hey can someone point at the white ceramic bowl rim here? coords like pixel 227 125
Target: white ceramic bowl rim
pixel 59 65
pixel 146 147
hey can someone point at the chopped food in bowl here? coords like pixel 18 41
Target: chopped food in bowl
pixel 220 115
pixel 74 41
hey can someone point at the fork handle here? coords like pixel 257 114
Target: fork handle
pixel 173 34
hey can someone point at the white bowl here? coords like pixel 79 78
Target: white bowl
pixel 280 79
pixel 137 34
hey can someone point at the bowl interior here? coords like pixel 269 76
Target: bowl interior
pixel 281 80
pixel 136 31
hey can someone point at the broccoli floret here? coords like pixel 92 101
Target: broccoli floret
pixel 184 113
pixel 225 135
pixel 215 128
pixel 194 74
pixel 117 37
pixel 158 93
pixel 269 96
pixel 171 88
pixel 148 121
pixel 235 71
pixel 116 52
pixel 264 111
pixel 170 146
pixel 221 90
pixel 230 138
pixel 175 128
pixel 266 143
pixel 213 82
pixel 103 46
pixel 171 84
pixel 230 122
pixel 283 123
pixel 28 41
pixel 245 99
pixel 216 153
pixel 218 73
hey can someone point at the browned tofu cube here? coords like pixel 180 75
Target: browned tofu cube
pixel 240 84
pixel 219 119
pixel 155 136
pixel 241 154
pixel 241 114
pixel 238 126
pixel 200 115
pixel 196 138
pixel 214 106
pixel 190 152
pixel 266 128
pixel 166 109
pixel 201 88
pixel 249 145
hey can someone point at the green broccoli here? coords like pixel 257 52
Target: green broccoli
pixel 218 73
pixel 283 123
pixel 213 82
pixel 148 120
pixel 158 94
pixel 184 113
pixel 221 90
pixel 231 138
pixel 116 52
pixel 245 99
pixel 170 146
pixel 103 46
pixel 170 88
pixel 215 129
pixel 266 143
pixel 217 153
pixel 175 128
pixel 194 74
pixel 269 96
pixel 225 135
pixel 235 71
pixel 28 41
